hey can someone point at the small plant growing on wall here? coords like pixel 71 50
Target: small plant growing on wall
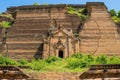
pixel 36 4
pixel 7 16
pixel 79 12
pixel 5 25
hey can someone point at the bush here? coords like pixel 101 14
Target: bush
pixel 23 62
pixel 79 12
pixel 77 55
pixel 113 12
pixel 37 65
pixel 76 63
pixel 7 61
pixel 36 4
pixel 73 63
pixel 113 60
pixel 102 59
pixel 52 59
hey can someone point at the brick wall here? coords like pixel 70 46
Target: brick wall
pixel 99 34
pixel 55 76
pixel 31 25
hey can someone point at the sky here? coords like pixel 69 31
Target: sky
pixel 4 4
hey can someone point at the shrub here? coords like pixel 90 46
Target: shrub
pixel 73 63
pixel 76 63
pixel 7 16
pixel 5 24
pixel 79 12
pixel 77 55
pixel 102 59
pixel 113 60
pixel 36 4
pixel 7 61
pixel 23 62
pixel 89 59
pixel 37 65
pixel 52 59
pixel 113 12
pixel 116 19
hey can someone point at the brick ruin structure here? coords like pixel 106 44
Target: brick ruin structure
pixel 48 30
pixel 61 42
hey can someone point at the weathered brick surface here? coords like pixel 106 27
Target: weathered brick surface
pixel 62 76
pixel 55 76
pixel 99 34
pixel 32 24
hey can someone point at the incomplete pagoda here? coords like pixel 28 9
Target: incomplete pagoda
pixel 49 30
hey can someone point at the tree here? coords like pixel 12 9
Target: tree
pixel 5 25
pixel 116 19
pixel 113 12
pixel 118 13
pixel 36 4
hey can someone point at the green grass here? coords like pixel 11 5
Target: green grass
pixel 75 63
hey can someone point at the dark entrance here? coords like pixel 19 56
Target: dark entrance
pixel 60 54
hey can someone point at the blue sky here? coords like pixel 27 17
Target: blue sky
pixel 4 4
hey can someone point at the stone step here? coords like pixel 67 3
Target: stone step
pixel 22 51
pixel 16 47
pixel 24 39
pixel 98 9
pixel 43 23
pixel 97 37
pixel 25 54
pixel 23 42
pixel 98 43
pixel 28 24
pixel 31 27
pixel 31 20
pixel 25 45
pixel 28 56
pixel 96 40
pixel 104 24
pixel 100 15
pixel 24 36
pixel 28 32
pixel 67 19
pixel 35 16
pixel 36 34
pixel 100 31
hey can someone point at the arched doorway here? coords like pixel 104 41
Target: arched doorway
pixel 60 54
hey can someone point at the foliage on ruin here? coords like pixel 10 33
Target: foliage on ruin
pixel 113 12
pixel 7 61
pixel 116 19
pixel 76 63
pixel 5 24
pixel 36 4
pixel 7 16
pixel 115 16
pixel 79 12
